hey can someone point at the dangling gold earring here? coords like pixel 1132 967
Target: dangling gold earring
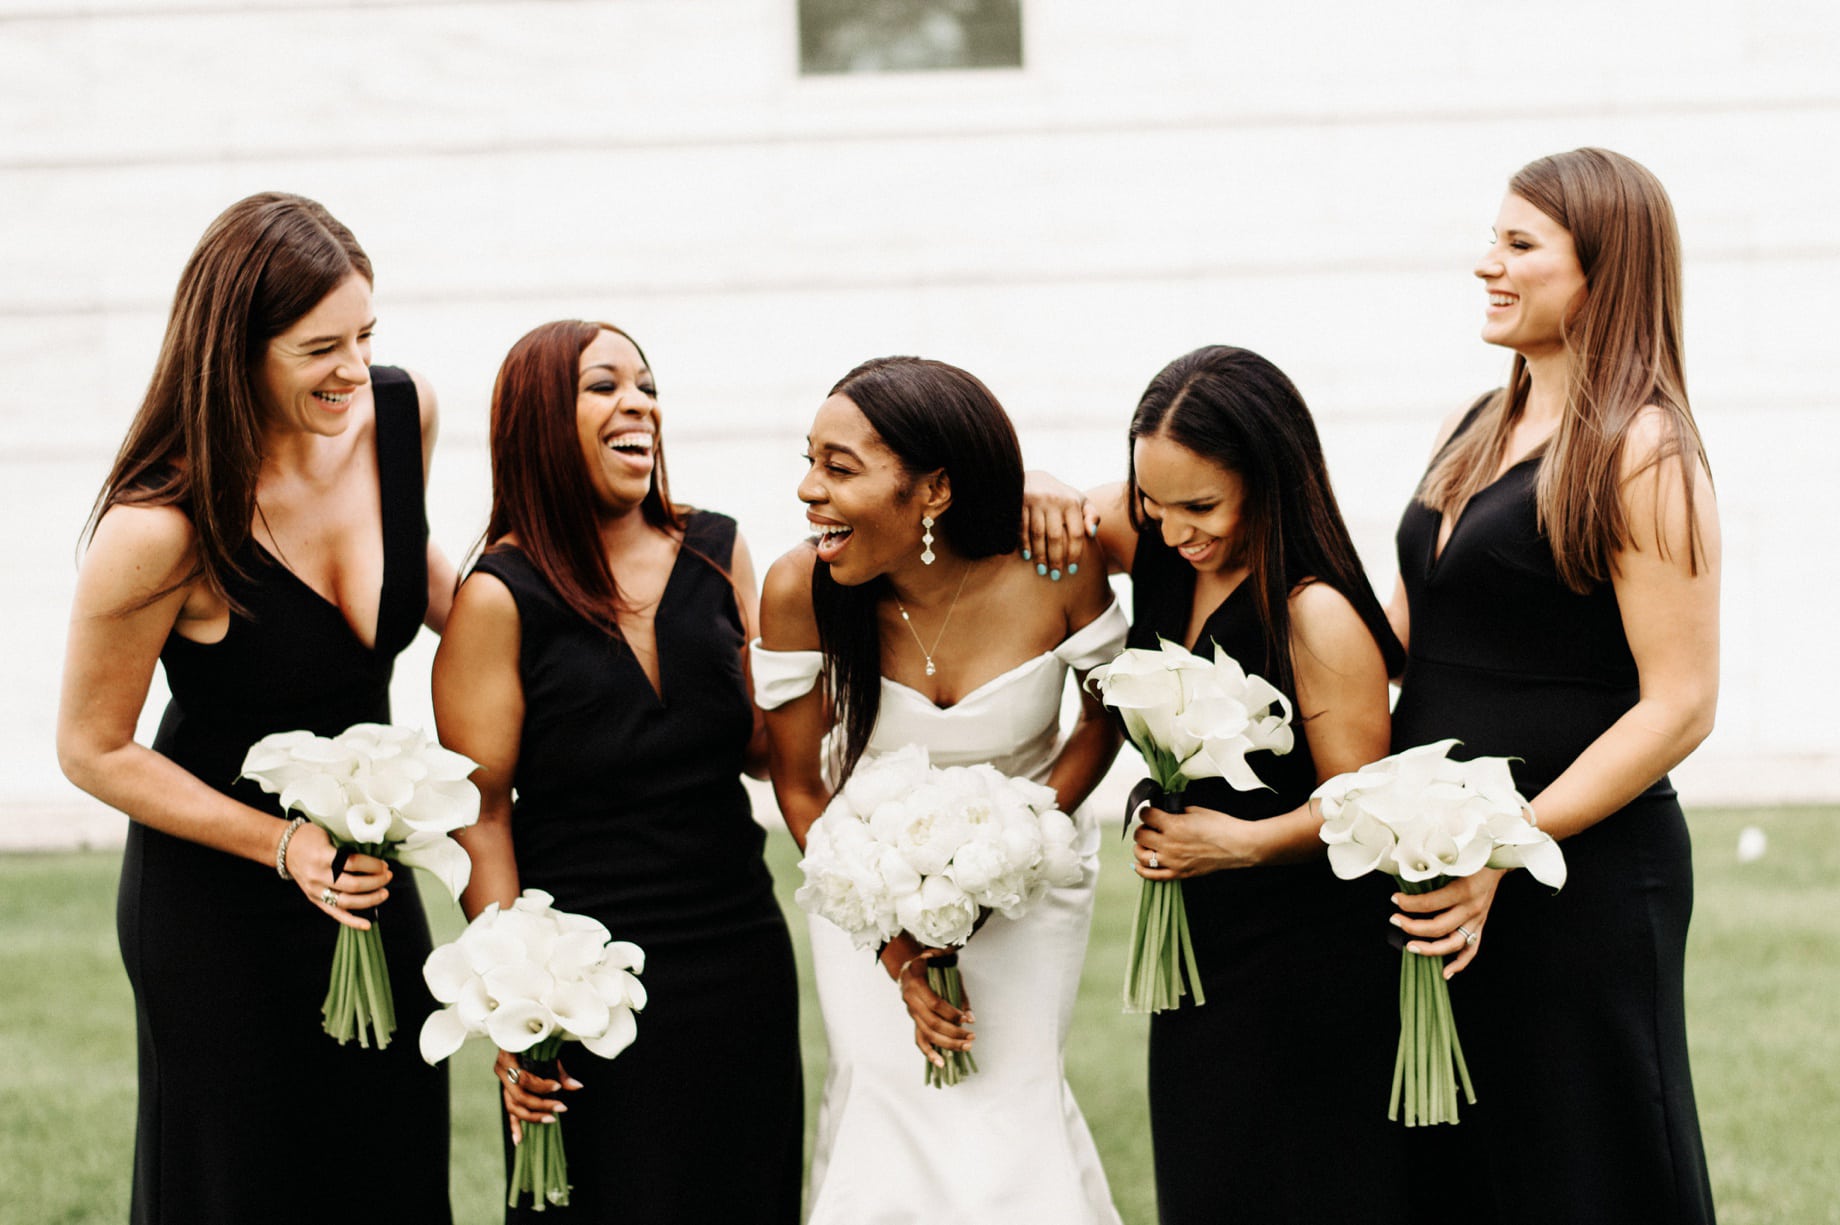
pixel 926 540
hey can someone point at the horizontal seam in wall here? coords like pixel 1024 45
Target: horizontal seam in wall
pixel 682 142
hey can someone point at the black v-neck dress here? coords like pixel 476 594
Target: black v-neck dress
pixel 1572 1015
pixel 629 807
pixel 242 1094
pixel 1268 1103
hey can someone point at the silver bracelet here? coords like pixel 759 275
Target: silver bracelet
pixel 287 836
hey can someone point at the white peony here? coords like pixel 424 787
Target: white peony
pixel 939 913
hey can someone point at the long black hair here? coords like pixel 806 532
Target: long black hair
pixel 1235 409
pixel 933 417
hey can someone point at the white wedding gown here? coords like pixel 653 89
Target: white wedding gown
pixel 1007 1145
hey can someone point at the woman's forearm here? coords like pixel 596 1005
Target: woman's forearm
pixel 495 874
pixel 1651 738
pixel 1084 759
pixel 159 793
pixel 801 806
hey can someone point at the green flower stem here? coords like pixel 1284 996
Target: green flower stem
pixel 948 984
pixel 1429 1066
pixel 358 998
pixel 540 1166
pixel 1161 966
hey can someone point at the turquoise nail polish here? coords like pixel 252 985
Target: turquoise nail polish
pixel 1027 556
pixel 1073 569
pixel 1041 567
pixel 1055 575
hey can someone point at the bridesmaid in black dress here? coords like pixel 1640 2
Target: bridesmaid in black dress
pixel 1559 594
pixel 1231 534
pixel 596 667
pixel 262 536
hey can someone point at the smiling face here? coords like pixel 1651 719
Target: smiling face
pixel 860 499
pixel 616 420
pixel 311 372
pixel 1195 502
pixel 1534 281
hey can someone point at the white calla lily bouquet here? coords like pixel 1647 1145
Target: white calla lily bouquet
pixel 385 791
pixel 1426 819
pixel 1191 718
pixel 531 978
pixel 909 846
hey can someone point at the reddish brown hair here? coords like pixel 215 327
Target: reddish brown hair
pixel 541 492
pixel 1624 343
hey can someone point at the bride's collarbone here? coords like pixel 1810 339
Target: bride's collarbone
pixel 958 672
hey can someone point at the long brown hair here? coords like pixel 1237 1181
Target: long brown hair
pixel 540 488
pixel 1625 350
pixel 195 443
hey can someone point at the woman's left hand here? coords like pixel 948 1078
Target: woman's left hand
pixel 1449 920
pixel 1175 845
pixel 1056 520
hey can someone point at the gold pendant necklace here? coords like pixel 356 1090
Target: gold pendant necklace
pixel 909 621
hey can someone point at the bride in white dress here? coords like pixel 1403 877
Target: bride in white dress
pixel 912 620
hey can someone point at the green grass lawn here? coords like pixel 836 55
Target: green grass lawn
pixel 1763 983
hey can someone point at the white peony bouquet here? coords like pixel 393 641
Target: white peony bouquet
pixel 386 791
pixel 908 846
pixel 1190 718
pixel 530 978
pixel 1424 819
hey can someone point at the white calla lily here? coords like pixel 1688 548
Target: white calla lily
pixel 367 823
pixel 320 797
pixel 576 953
pixel 621 1029
pixel 521 980
pixel 475 1004
pixel 440 807
pixel 445 765
pixel 447 973
pixel 625 955
pixel 519 1024
pixel 442 856
pixel 534 901
pixel 578 1008
pixel 1424 817
pixel 442 1033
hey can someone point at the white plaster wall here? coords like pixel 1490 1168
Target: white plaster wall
pixel 1310 180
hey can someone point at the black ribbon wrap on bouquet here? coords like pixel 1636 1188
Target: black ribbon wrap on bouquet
pixel 1147 792
pixel 548 1069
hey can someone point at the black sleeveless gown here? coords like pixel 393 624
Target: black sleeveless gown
pixel 1572 1016
pixel 629 807
pixel 242 1095
pixel 1268 1103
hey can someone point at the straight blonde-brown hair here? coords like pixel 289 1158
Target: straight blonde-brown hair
pixel 196 441
pixel 1624 345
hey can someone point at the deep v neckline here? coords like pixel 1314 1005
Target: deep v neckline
pixel 658 627
pixel 1189 609
pixel 326 602
pixel 1440 543
pixel 383 545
